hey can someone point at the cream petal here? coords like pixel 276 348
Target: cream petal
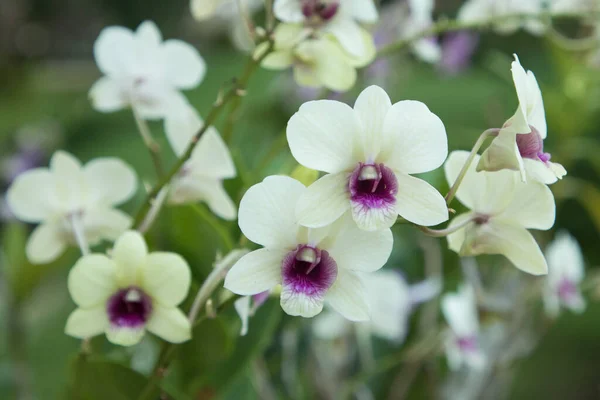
pixel 114 50
pixel 325 135
pixel 46 243
pixel 70 182
pixel 300 304
pixel 460 311
pixel 277 60
pixel 414 138
pixel 369 53
pixel 107 95
pixel 348 296
pixel 324 201
pixel 166 277
pixel 129 253
pixel 124 336
pixel 532 206
pixel 355 249
pixel 539 171
pixel 170 324
pixel 256 272
pixel 372 106
pixel 182 122
pixel 391 304
pixel 105 223
pixel 348 33
pixel 242 307
pixel 305 76
pixel 31 196
pixel 185 68
pixel 267 212
pixel 212 158
pixel 288 10
pixel 419 202
pixel 92 280
pixel 531 103
pixel 512 241
pixel 203 9
pixel 195 188
pixel 220 203
pixel 331 67
pixel 86 323
pixel 456 239
pixel 148 34
pixel 565 258
pixel 469 192
pixel 502 153
pixel 363 10
pixel 111 181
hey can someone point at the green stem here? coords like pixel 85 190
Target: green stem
pixel 238 90
pixel 452 192
pixel 149 141
pixel 445 26
pixel 216 225
pixel 444 232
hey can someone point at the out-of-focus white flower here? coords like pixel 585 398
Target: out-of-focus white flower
pixel 142 71
pixel 573 6
pixel 317 61
pixel 463 345
pixel 201 177
pixel 502 208
pixel 507 16
pixel 67 194
pixel 129 293
pixel 246 307
pixel 369 153
pixel 427 49
pixel 340 18
pixel 520 143
pixel 392 300
pixel 565 273
pixel 312 265
pixel 224 9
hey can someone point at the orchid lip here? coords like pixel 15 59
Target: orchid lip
pixel 531 145
pixel 308 270
pixel 129 307
pixel 373 185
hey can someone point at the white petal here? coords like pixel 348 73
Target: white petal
pixel 148 34
pixel 460 310
pixel 414 138
pixel 300 304
pixel 288 10
pixel 277 60
pixel 114 50
pixel 242 307
pixel 129 253
pixel 363 10
pixel 565 258
pixel 355 249
pixel 531 103
pixel 419 202
pixel 105 223
pixel 374 219
pixel 502 153
pixel 46 243
pixel 31 195
pixel 185 68
pixel 330 325
pixel 532 206
pixel 107 95
pixel 369 53
pixel 456 239
pixel 474 11
pixel 512 241
pixel 348 296
pixel 111 180
pixel 69 180
pixel 332 67
pixel 170 324
pixel 267 212
pixel 324 201
pixel 92 280
pixel 154 100
pixel 86 323
pixel 182 122
pixel 195 188
pixel 166 277
pixel 124 336
pixel 323 135
pixel 212 158
pixel 542 172
pixel 348 33
pixel 203 9
pixel 372 106
pixel 470 191
pixel 390 299
pixel 256 272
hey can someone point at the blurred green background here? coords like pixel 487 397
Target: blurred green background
pixel 46 69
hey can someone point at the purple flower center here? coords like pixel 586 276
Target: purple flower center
pixel 467 344
pixel 566 289
pixel 531 145
pixel 320 9
pixel 308 270
pixel 481 219
pixel 373 185
pixel 129 307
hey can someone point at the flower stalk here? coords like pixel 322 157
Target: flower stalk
pixel 444 232
pixel 149 142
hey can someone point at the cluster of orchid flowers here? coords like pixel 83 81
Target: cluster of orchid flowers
pixel 323 245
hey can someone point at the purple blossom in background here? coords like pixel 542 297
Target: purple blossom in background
pixel 27 157
pixel 457 50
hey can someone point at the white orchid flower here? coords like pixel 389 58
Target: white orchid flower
pixel 573 6
pixel 502 208
pixel 142 71
pixel 312 265
pixel 129 293
pixel 246 307
pixel 507 16
pixel 463 342
pixel 565 273
pixel 67 196
pixel 421 18
pixel 369 152
pixel 341 18
pixel 519 145
pixel 201 177
pixel 317 61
